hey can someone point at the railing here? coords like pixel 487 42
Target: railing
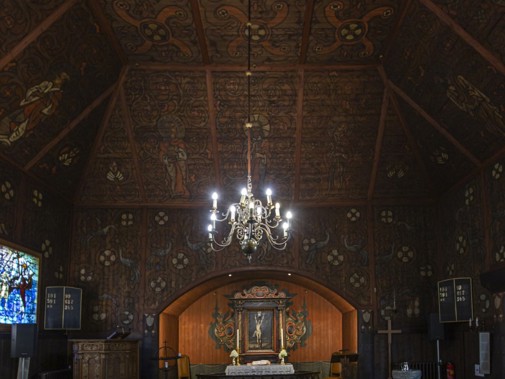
pixel 428 369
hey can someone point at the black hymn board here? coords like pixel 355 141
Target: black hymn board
pixel 455 302
pixel 63 308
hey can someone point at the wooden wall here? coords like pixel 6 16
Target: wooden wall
pixel 326 325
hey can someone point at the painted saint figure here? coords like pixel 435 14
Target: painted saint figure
pixel 173 155
pixel 40 102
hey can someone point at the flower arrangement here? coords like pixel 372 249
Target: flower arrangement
pixel 234 357
pixel 283 354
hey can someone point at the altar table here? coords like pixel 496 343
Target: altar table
pixel 406 374
pixel 273 369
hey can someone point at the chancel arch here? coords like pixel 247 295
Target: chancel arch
pixel 316 321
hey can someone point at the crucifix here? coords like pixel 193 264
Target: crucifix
pixel 390 333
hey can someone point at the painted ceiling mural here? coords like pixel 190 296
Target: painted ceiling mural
pixel 133 111
pixel 330 122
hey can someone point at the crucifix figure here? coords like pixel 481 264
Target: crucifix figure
pixel 390 333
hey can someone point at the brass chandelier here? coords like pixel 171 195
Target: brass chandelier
pixel 249 220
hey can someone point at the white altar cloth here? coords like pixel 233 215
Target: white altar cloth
pixel 409 374
pixel 273 369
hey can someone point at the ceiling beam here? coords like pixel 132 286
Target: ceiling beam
pixel 465 36
pixel 131 141
pixel 396 30
pixel 67 129
pixel 200 32
pixel 99 136
pixel 307 23
pixel 36 32
pixel 435 124
pixel 105 25
pixel 410 138
pixel 378 143
pixel 259 68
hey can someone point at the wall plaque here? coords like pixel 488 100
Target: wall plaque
pixel 455 303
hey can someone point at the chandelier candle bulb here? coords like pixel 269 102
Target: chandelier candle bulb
pixel 285 226
pixel 232 213
pixel 209 228
pixel 214 200
pixel 277 210
pixel 242 197
pixel 269 197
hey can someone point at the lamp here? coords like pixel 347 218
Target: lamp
pixel 248 219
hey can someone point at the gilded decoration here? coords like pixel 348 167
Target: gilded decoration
pixel 260 321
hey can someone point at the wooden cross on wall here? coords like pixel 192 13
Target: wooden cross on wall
pixel 390 333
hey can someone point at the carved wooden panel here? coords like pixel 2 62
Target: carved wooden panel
pixel 340 120
pixel 404 244
pixel 450 81
pixel 400 173
pixel 105 359
pixel 495 182
pixel 462 221
pixel 276 27
pixel 484 19
pixel 273 101
pixel 157 31
pixel 51 82
pixel 108 255
pixel 334 246
pixel 20 18
pixel 64 163
pixel 343 31
pixel 444 161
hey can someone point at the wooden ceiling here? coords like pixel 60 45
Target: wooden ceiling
pixel 142 102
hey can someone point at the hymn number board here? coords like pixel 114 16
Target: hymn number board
pixel 455 302
pixel 63 308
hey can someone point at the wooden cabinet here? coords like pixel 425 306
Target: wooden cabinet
pixel 104 359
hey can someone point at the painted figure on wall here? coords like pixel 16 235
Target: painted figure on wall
pixel 471 100
pixel 40 102
pixel 173 155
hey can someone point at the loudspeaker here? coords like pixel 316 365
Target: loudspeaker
pixel 494 280
pixel 23 340
pixel 435 328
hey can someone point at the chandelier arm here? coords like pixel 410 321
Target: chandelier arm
pixel 277 242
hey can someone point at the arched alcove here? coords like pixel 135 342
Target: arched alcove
pixel 185 324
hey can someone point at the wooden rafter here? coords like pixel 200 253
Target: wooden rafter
pixel 35 33
pixel 200 32
pixel 434 123
pixel 307 23
pixel 465 36
pixel 298 133
pixel 213 148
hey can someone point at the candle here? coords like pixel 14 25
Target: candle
pixel 282 338
pixel 232 211
pixel 214 200
pixel 269 197
pixel 238 339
